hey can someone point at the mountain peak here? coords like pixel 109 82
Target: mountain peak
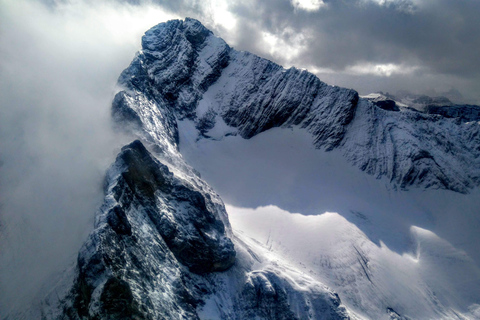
pixel 161 35
pixel 163 248
pixel 188 73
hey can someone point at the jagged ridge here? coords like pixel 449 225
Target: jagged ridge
pixel 149 226
pixel 184 71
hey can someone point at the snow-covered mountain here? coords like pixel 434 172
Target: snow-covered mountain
pixel 338 206
pixel 220 88
pixel 429 105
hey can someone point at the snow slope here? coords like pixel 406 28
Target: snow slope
pixel 414 252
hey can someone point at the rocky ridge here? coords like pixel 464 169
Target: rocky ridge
pixel 160 250
pixel 185 72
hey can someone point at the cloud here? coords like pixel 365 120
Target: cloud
pixel 308 5
pixel 436 37
pixel 432 40
pixel 58 69
pixel 380 70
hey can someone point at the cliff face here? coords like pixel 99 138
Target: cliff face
pixel 151 233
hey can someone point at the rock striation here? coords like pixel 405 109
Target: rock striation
pixel 151 233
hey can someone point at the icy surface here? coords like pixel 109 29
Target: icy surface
pixel 414 252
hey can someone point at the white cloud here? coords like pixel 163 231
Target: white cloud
pixel 285 47
pixel 58 69
pixel 380 70
pixel 221 14
pixel 308 5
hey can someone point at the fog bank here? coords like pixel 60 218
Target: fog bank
pixel 58 70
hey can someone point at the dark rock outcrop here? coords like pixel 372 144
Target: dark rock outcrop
pixel 267 296
pixel 464 113
pixel 150 225
pixel 388 105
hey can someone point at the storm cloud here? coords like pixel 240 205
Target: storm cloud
pixel 428 47
pixel 368 45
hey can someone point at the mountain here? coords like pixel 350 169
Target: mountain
pixel 159 247
pixel 217 86
pixel 429 105
pixel 339 207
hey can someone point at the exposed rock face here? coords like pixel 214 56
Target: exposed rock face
pixel 181 60
pixel 178 62
pixel 385 102
pixel 258 95
pixel 268 296
pixel 156 242
pixel 415 149
pixel 185 72
pixel 388 105
pixel 464 113
pixel 186 219
pixel 150 226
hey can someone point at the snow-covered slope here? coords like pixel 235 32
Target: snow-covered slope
pixel 415 252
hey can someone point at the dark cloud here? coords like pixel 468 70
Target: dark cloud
pixel 430 43
pixel 438 38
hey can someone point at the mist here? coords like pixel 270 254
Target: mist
pixel 58 70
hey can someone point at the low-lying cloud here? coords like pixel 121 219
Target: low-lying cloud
pixel 58 70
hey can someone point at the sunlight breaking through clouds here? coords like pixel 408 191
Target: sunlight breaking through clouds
pixel 220 13
pixel 287 46
pixel 308 5
pixel 381 70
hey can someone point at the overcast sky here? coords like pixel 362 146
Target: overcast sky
pixel 368 45
pixel 59 61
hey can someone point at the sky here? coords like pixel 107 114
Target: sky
pixel 426 47
pixel 59 61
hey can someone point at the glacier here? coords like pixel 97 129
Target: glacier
pixel 257 192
